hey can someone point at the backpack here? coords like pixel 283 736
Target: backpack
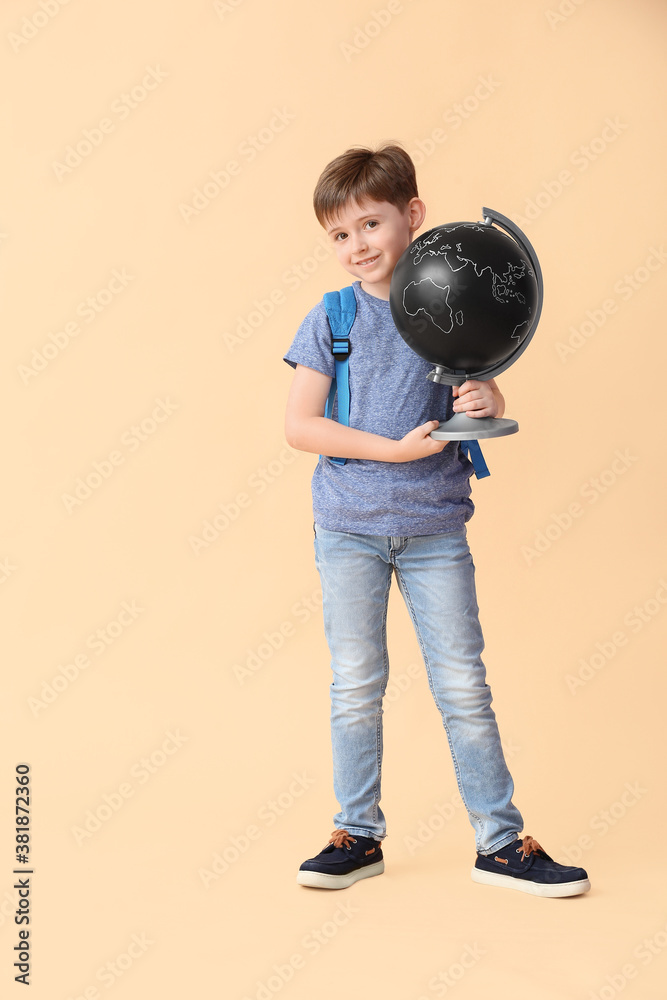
pixel 341 309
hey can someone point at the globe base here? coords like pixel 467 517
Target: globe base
pixel 461 427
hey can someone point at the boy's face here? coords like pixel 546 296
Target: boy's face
pixel 370 238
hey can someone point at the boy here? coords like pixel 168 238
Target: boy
pixel 399 504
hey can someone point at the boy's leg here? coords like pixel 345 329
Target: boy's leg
pixel 356 577
pixel 436 576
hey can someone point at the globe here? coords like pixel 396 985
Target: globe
pixel 466 297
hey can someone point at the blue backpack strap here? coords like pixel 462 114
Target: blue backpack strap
pixel 474 453
pixel 341 310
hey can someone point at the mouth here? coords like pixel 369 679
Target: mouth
pixel 365 263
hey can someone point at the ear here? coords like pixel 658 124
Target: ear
pixel 417 210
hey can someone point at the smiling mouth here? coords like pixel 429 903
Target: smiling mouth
pixel 369 260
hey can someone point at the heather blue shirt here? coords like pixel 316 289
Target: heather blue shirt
pixel 389 395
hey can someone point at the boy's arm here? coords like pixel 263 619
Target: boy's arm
pixel 479 399
pixel 306 429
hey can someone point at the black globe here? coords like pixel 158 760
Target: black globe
pixel 464 296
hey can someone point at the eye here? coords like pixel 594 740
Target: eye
pixel 372 222
pixel 337 237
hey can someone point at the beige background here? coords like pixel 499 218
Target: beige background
pixel 164 739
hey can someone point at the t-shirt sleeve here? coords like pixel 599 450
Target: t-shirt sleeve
pixel 311 346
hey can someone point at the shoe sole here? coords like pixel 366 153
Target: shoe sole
pixel 555 890
pixel 320 880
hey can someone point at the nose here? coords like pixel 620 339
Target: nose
pixel 359 243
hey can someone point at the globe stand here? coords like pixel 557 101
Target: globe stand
pixel 461 427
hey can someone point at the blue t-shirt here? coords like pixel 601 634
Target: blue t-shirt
pixel 389 395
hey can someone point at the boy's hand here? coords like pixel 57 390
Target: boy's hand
pixel 418 443
pixel 478 399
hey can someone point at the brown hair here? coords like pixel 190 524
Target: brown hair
pixel 360 173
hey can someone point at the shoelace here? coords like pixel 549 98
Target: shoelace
pixel 529 846
pixel 341 838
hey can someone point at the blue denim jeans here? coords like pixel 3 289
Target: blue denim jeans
pixel 436 577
